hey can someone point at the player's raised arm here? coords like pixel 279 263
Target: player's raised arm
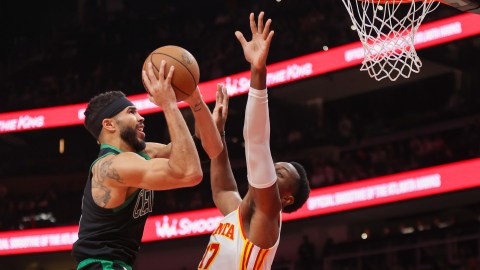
pixel 253 223
pixel 260 167
pixel 205 128
pixel 224 188
pixel 184 162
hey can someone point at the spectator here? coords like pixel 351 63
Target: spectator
pixel 306 255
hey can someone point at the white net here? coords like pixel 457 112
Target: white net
pixel 387 31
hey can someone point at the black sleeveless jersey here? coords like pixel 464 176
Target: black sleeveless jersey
pixel 112 234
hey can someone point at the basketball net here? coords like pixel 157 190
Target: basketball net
pixel 387 31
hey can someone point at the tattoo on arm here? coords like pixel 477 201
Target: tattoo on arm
pixel 102 196
pixel 197 107
pixel 102 193
pixel 107 171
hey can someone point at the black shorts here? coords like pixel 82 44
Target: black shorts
pixel 99 264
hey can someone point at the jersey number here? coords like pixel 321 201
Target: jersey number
pixel 209 256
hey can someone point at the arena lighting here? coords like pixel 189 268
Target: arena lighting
pixel 349 196
pixel 429 34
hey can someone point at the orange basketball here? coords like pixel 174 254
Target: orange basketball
pixel 187 73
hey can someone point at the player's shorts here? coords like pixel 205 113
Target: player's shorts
pixel 98 264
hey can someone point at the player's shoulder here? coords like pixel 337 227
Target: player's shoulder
pixel 112 166
pixel 126 157
pixel 118 159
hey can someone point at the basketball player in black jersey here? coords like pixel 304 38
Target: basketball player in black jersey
pixel 118 195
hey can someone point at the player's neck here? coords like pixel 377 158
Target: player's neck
pixel 118 143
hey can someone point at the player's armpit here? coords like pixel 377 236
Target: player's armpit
pixel 265 201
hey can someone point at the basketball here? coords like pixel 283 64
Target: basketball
pixel 187 73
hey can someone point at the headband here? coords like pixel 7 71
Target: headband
pixel 94 126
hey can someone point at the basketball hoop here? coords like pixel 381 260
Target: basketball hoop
pixel 387 31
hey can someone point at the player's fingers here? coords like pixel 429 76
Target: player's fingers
pixel 225 95
pixel 150 73
pixel 224 111
pixel 225 98
pixel 260 22
pixel 220 110
pixel 219 95
pixel 146 82
pixel 269 39
pixel 253 25
pixel 241 38
pixel 266 31
pixel 224 92
pixel 170 74
pixel 145 78
pixel 161 71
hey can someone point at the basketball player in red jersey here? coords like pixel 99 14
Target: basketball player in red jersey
pixel 248 236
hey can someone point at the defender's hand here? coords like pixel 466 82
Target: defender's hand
pixel 256 50
pixel 220 112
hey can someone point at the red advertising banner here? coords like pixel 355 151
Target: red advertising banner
pixel 376 191
pixel 391 188
pixel 38 240
pixel 299 68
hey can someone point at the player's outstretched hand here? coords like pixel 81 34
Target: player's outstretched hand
pixel 256 50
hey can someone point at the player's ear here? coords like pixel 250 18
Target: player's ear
pixel 109 124
pixel 287 200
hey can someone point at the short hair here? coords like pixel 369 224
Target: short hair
pixel 97 103
pixel 303 189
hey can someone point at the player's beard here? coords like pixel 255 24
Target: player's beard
pixel 129 135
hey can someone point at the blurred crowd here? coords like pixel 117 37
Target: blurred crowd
pixel 436 241
pixel 76 49
pixel 102 44
pixel 439 243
